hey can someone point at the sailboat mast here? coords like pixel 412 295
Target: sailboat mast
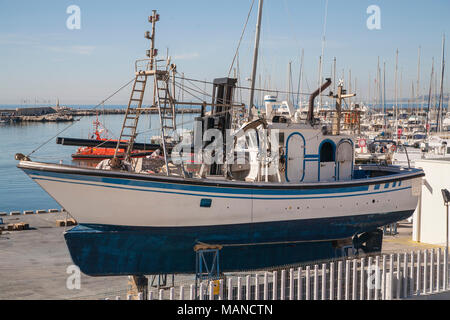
pixel 289 81
pixel 442 86
pixel 418 81
pixel 255 58
pixel 396 96
pixel 384 97
pixel 350 83
pixel 300 80
pixel 334 74
pixel 429 97
pixel 320 80
pixel 378 98
pixel 368 93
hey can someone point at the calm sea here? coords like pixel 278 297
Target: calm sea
pixel 17 191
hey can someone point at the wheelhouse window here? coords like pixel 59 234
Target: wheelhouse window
pixel 327 153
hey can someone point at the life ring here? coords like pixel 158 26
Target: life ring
pixel 362 143
pixel 393 148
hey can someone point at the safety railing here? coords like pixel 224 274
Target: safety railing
pixel 381 277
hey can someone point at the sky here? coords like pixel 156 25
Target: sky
pixel 42 60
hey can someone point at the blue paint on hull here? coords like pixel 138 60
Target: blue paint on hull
pixel 101 250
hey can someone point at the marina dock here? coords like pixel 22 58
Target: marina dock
pixel 41 114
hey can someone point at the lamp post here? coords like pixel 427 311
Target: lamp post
pixel 446 197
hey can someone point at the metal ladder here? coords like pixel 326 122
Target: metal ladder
pixel 166 108
pixel 132 114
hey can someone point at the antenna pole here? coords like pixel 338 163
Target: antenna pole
pixel 255 58
pixel 153 19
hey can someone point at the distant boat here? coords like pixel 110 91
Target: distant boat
pixel 102 153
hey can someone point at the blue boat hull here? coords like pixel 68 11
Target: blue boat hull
pixel 103 250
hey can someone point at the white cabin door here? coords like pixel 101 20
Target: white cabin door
pixel 327 171
pixel 345 161
pixel 295 158
pixel 327 161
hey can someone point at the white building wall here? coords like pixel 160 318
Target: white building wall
pixel 431 215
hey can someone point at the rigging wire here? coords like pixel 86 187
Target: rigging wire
pixel 72 124
pixel 201 90
pixel 247 88
pixel 240 40
pixel 188 92
pixel 322 60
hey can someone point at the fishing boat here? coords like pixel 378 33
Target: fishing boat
pixel 299 196
pixel 100 152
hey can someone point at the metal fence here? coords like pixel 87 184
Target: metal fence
pixel 382 277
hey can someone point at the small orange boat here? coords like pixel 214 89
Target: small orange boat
pixel 99 153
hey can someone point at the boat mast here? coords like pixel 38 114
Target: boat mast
pixel 299 96
pixel 401 88
pixel 396 96
pixel 320 82
pixel 429 98
pixel 334 74
pixel 289 81
pixel 350 86
pixel 418 81
pixel 378 99
pixel 368 96
pixel 384 97
pixel 322 52
pixel 442 86
pixel 255 58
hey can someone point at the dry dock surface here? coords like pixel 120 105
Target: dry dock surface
pixel 402 242
pixel 33 263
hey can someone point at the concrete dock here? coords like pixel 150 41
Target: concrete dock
pixel 33 263
pixel 403 240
